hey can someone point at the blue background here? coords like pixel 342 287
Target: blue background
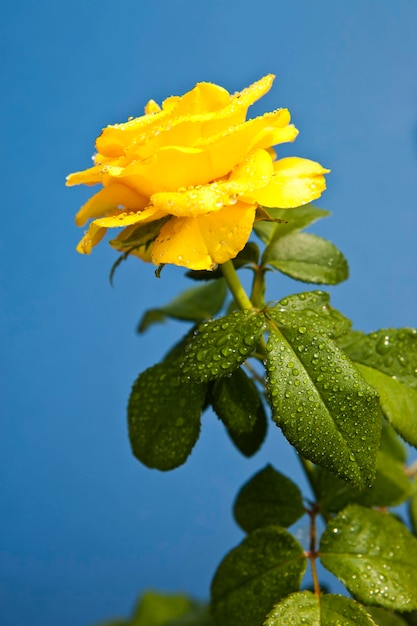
pixel 84 527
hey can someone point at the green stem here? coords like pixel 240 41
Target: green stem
pixel 308 468
pixel 313 551
pixel 258 287
pixel 239 294
pixel 235 286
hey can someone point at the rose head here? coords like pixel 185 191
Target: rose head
pixel 184 180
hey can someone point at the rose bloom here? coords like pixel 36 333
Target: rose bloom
pixel 184 181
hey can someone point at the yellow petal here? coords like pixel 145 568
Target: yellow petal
pixel 114 138
pixel 108 199
pixel 90 176
pixel 228 149
pixel 181 132
pixel 295 182
pixel 270 136
pixel 168 170
pixel 96 174
pixel 191 202
pixel 204 241
pixel 256 90
pixel 235 112
pixel 91 238
pixel 173 167
pixel 127 219
pixel 255 172
pixel 203 98
pixel 201 113
pixel 152 107
pixel 170 103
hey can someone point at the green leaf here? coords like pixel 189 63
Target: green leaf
pixel 390 488
pixel 308 258
pixel 265 230
pixel 139 240
pixel 398 402
pixel 143 234
pixel 156 609
pixel 237 403
pixel 314 302
pixel 164 416
pixel 195 305
pixel 114 267
pixel 290 220
pixel 324 407
pixel 264 568
pixel 220 346
pixel 305 607
pixel 374 555
pixel 392 444
pixel 410 618
pixel 382 617
pixel 269 497
pixel 392 351
pixel 309 310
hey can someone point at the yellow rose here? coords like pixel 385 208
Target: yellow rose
pixel 185 179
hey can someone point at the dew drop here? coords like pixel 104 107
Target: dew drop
pixel 201 355
pixel 383 345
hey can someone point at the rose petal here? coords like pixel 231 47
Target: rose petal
pixel 127 219
pixel 203 98
pixel 201 113
pixel 90 176
pixel 91 238
pixel 109 199
pixel 295 182
pixel 168 170
pixel 202 242
pixel 255 172
pixel 114 138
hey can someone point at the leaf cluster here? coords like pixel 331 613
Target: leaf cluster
pixel 345 400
